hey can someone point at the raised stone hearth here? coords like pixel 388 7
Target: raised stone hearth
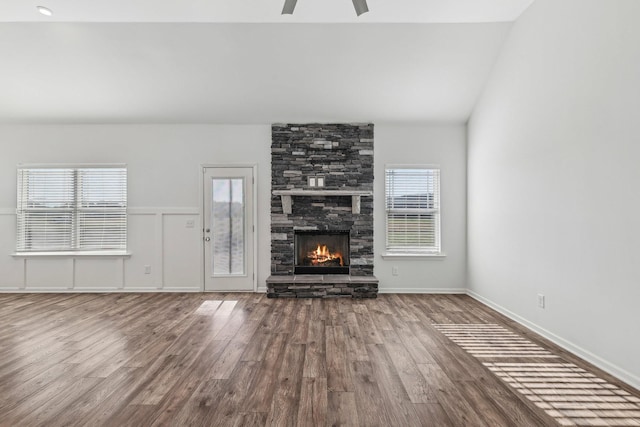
pixel 341 157
pixel 322 286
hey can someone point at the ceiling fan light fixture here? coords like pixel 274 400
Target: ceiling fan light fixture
pixel 289 6
pixel 360 6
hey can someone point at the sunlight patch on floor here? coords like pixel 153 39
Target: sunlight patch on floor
pixel 571 395
pixel 491 341
pixel 209 307
pixel 566 392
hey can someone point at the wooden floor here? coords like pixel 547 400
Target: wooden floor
pixel 245 360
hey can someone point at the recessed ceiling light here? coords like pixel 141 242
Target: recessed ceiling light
pixel 45 11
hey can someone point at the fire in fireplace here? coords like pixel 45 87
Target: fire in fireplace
pixel 321 252
pixel 322 257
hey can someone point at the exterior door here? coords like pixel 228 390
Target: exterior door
pixel 228 229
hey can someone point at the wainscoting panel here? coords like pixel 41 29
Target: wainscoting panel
pixel 12 269
pixel 98 273
pixel 49 273
pixel 143 243
pixel 181 250
pixel 163 241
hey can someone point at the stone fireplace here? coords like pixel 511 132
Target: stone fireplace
pixel 322 211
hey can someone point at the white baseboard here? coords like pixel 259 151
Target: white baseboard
pixel 189 289
pixel 96 290
pixel 407 290
pixel 606 366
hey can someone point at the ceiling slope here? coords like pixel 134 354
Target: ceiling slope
pixel 261 11
pixel 243 73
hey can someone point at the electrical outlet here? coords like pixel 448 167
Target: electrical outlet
pixel 147 269
pixel 540 300
pixel 394 270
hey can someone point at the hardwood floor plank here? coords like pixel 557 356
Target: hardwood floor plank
pixel 93 397
pixel 183 390
pixel 370 332
pixel 284 407
pixel 432 414
pixel 250 419
pixel 356 348
pixel 301 325
pixel 492 415
pixel 315 361
pixel 14 391
pixel 414 383
pixel 248 330
pixel 447 357
pixel 380 319
pixel 286 319
pixel 56 401
pixel 451 399
pixel 395 396
pixel 236 391
pixel 227 362
pixel 416 348
pixel 201 404
pixel 318 311
pixel 263 385
pixel 404 312
pixel 333 317
pixel 132 416
pixel 312 409
pixel 338 373
pixel 369 400
pixel 162 380
pixel 520 412
pixel 342 410
pixel 257 347
pixel 242 359
pixel 270 321
pixel 110 406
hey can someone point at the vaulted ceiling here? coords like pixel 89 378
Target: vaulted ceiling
pixel 261 11
pixel 179 61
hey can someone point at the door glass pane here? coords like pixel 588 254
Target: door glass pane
pixel 227 231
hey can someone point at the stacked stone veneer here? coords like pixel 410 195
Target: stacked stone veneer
pixel 343 155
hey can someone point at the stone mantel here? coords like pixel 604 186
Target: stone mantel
pixel 287 200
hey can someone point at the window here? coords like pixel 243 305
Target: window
pixel 72 208
pixel 413 209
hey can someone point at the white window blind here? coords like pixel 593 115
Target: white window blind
pixel 413 209
pixel 71 209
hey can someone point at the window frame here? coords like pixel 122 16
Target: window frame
pixel 434 251
pixel 76 209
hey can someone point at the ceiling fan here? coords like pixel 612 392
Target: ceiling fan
pixel 359 5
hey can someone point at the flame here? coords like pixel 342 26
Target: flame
pixel 322 255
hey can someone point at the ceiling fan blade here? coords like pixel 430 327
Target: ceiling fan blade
pixel 361 6
pixel 289 5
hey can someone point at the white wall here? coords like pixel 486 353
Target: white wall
pixel 163 179
pixel 553 176
pixel 163 163
pixel 444 145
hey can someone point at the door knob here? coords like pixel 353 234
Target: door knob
pixel 207 230
pixel 206 239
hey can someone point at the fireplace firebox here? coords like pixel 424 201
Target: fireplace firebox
pixel 321 252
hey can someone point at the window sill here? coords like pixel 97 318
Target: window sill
pixel 414 255
pixel 72 254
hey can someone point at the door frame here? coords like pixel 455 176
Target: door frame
pixel 201 188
